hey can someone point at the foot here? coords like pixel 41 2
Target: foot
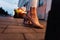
pixel 35 22
pixel 27 20
pixel 34 18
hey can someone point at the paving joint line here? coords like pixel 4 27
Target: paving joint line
pixel 4 29
pixel 24 36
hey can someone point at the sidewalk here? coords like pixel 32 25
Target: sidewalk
pixel 13 29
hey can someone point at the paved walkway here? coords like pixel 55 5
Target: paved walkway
pixel 13 29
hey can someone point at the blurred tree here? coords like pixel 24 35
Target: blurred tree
pixel 3 12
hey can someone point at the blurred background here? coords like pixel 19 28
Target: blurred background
pixel 8 7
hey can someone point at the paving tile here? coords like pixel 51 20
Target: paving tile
pixel 39 30
pixel 11 31
pixel 22 30
pixel 13 24
pixel 20 24
pixel 20 21
pixel 4 23
pixel 7 23
pixel 2 26
pixel 11 37
pixel 7 20
pixel 43 22
pixel 34 36
pixel 16 27
pixel 27 31
pixel 1 30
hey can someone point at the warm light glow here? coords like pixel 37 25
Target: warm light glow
pixel 19 10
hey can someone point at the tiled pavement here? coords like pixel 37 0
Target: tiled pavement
pixel 13 29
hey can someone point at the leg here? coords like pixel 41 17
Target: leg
pixel 33 13
pixel 26 20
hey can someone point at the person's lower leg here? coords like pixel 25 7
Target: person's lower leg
pixel 34 17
